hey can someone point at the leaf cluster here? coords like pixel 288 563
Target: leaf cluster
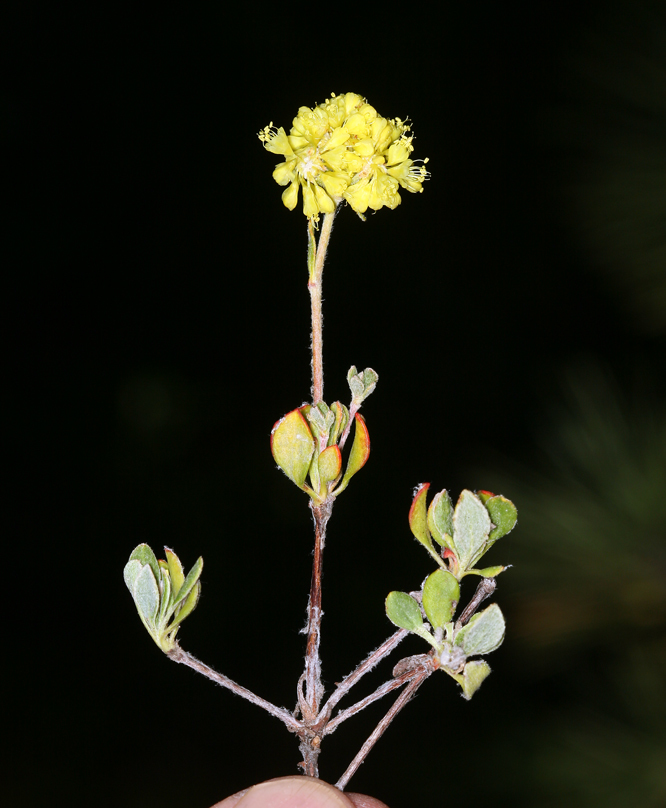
pixel 464 534
pixel 164 596
pixel 307 442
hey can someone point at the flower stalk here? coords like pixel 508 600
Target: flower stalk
pixel 316 258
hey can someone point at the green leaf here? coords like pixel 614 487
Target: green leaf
pixel 188 606
pixel 147 594
pixel 314 473
pixel 189 583
pixel 132 569
pixel 484 632
pixel 473 676
pixel 292 446
pixel 341 414
pixel 488 572
pixel 360 451
pixel 417 517
pixel 165 595
pixel 330 464
pixel 361 384
pixel 471 526
pixel 440 520
pixel 441 593
pixel 321 418
pixel 504 516
pixel 145 555
pixel 403 611
pixel 175 571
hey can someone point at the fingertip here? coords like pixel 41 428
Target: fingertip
pixel 289 792
pixel 297 792
pixel 363 801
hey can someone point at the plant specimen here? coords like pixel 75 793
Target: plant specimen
pixel 343 151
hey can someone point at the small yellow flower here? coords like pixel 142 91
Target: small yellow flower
pixel 344 150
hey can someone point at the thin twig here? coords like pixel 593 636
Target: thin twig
pixel 379 730
pixel 343 715
pixel 367 665
pixel 178 655
pixel 484 590
pixel 382 690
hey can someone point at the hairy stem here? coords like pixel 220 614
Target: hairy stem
pixel 178 655
pixel 316 271
pixel 313 686
pixel 367 665
pixel 484 590
pixel 382 690
pixel 418 679
pixel 314 689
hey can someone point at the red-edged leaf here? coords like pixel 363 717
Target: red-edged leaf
pixel 418 516
pixel 330 464
pixel 440 519
pixel 292 446
pixel 360 451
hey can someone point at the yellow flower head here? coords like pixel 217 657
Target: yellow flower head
pixel 344 150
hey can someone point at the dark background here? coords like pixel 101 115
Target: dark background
pixel 159 325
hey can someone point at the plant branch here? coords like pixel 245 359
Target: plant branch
pixel 382 690
pixel 178 655
pixel 484 590
pixel 313 687
pixel 419 677
pixel 367 665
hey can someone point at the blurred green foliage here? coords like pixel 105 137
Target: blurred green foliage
pixel 591 603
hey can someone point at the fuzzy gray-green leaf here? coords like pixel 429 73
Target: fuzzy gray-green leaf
pixel 145 555
pixel 130 573
pixel 484 632
pixel 147 594
pixel 471 526
pixel 361 384
pixel 440 520
pixel 474 674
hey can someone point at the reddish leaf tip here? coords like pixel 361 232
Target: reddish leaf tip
pixel 421 491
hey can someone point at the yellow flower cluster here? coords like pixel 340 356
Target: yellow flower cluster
pixel 342 149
